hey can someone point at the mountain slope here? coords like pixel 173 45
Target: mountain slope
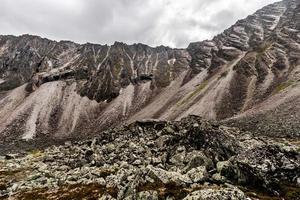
pixel 56 90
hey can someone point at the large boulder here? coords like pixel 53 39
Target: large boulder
pixel 271 167
pixel 229 193
pixel 167 177
pixel 198 174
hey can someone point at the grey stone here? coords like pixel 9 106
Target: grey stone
pixel 198 174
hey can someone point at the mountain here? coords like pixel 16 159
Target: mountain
pixel 217 120
pixel 248 76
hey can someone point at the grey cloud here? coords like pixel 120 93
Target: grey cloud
pixel 169 22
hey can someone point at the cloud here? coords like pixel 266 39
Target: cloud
pixel 175 23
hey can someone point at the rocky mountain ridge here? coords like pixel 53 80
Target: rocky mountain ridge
pixel 247 76
pixel 218 120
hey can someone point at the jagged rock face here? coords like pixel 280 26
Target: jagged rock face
pixel 103 69
pixel 124 65
pixel 188 159
pixel 57 74
pixel 270 39
pixel 246 35
pixel 54 90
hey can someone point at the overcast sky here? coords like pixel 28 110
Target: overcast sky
pixel 175 23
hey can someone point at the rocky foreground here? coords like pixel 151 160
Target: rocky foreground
pixel 187 159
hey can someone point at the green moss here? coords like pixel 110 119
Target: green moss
pixel 104 172
pixel 293 195
pixel 194 93
pixel 36 153
pixel 282 86
pixel 117 69
pixel 91 191
pixel 8 175
pixel 290 192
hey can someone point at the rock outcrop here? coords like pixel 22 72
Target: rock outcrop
pixel 188 159
pixel 217 120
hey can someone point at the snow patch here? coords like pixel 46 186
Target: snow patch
pixel 209 43
pixel 50 64
pixel 291 30
pixel 134 73
pixel 147 64
pixel 2 80
pixel 172 61
pixel 156 63
pixel 229 48
pixel 106 56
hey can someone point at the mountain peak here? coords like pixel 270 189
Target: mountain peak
pixel 230 77
pixel 218 120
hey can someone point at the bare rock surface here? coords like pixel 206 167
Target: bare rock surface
pixel 137 162
pixel 247 76
pixel 217 120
